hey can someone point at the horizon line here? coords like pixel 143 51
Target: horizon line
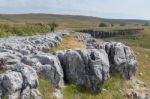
pixel 73 15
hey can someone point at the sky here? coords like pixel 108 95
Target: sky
pixel 116 9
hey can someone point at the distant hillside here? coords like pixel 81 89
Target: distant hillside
pixel 61 18
pixel 65 20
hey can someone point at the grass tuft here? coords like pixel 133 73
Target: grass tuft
pixel 111 90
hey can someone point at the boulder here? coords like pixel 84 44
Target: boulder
pixel 10 82
pixel 35 94
pixel 47 65
pixel 58 94
pixel 26 93
pixel 121 58
pixel 8 58
pixel 85 67
pixel 29 75
pixel 19 83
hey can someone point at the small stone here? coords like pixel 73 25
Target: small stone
pixel 35 94
pixel 58 94
pixel 141 74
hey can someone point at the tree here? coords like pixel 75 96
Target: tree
pixel 102 25
pixel 53 25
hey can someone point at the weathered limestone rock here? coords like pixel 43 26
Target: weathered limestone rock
pixel 19 83
pixel 89 68
pixel 48 65
pixel 30 44
pixel 29 75
pixel 35 94
pixel 10 82
pixel 121 58
pixel 26 93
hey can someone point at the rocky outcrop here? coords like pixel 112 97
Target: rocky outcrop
pixel 47 65
pixel 13 49
pixel 88 68
pixel 22 57
pixel 19 83
pixel 31 44
pixel 121 58
pixel 33 51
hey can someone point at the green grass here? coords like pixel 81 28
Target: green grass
pixel 23 29
pixel 46 88
pixel 143 57
pixel 4 33
pixel 111 91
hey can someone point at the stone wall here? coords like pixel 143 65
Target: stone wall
pixel 104 34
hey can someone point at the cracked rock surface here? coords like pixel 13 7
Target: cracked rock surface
pixel 23 58
pixel 85 67
pixel 121 58
pixel 19 82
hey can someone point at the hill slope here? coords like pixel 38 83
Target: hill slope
pixel 45 18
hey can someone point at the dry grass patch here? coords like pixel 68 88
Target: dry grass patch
pixel 69 42
pixel 46 88
pixel 143 70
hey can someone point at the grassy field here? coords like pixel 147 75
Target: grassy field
pixel 31 24
pixel 67 21
pixel 137 40
pixel 23 29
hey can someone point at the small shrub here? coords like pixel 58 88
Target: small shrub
pixel 24 29
pixel 4 33
pixel 112 25
pixel 102 25
pixel 53 25
pixel 122 24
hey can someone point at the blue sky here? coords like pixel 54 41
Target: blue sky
pixel 123 9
